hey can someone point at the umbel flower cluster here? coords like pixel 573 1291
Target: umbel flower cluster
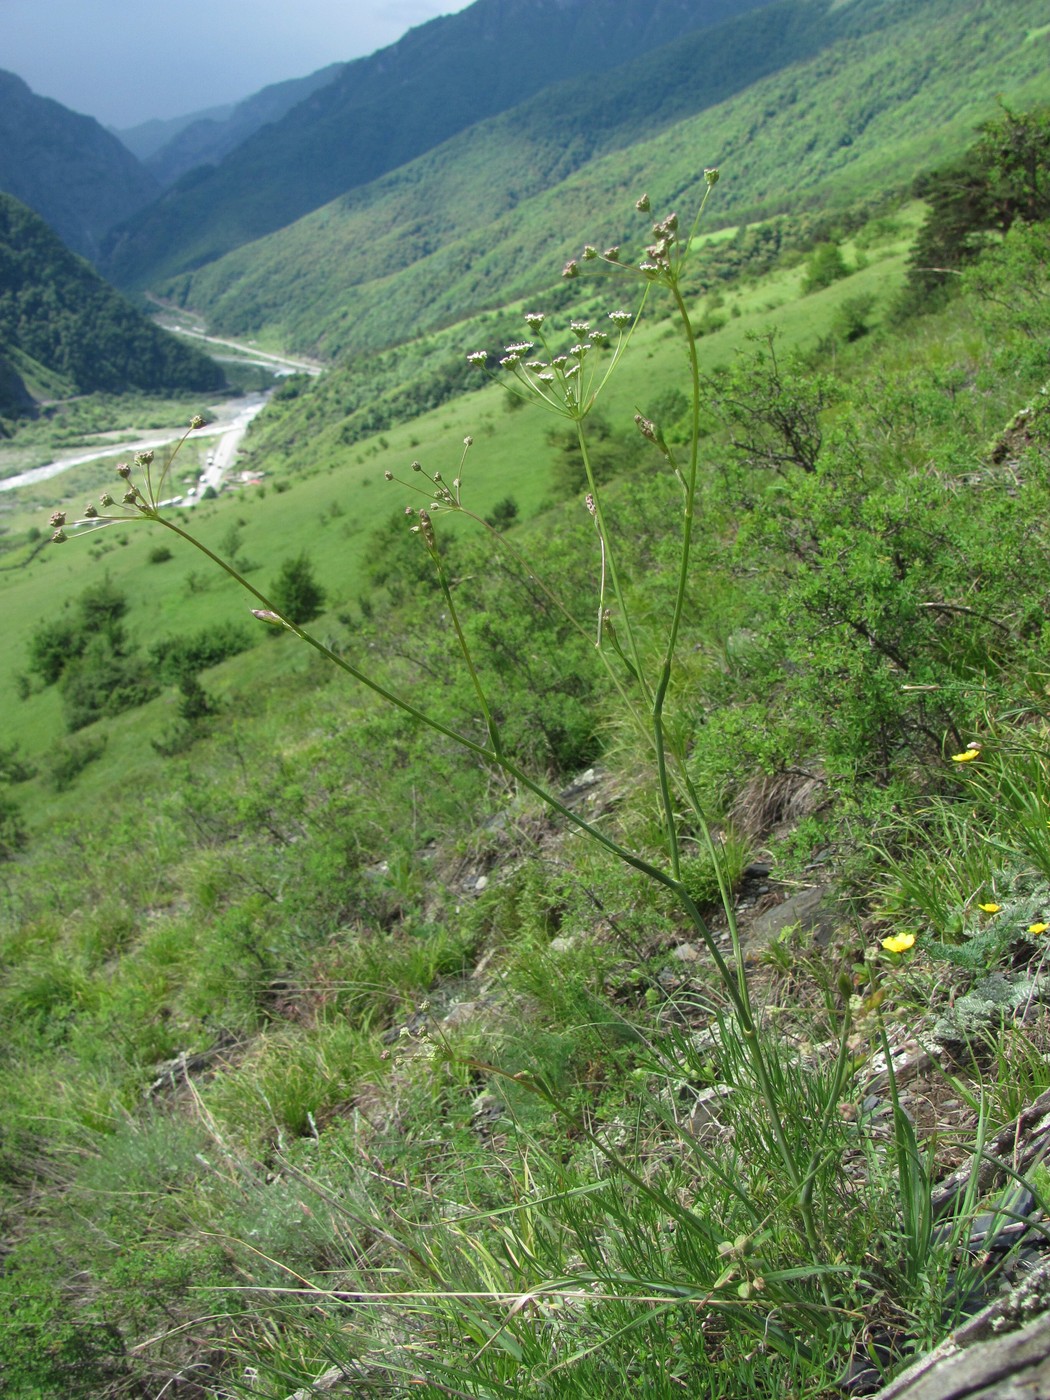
pixel 136 501
pixel 568 381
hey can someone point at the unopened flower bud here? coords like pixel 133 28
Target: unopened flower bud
pixel 417 466
pixel 58 519
pixel 90 512
pixel 589 253
pixel 59 537
pixel 437 476
pixel 468 441
pixel 388 476
pixel 144 459
pixel 642 205
pixel 612 254
pixel 265 615
pixel 478 358
pixel 130 496
pixel 646 427
pixel 196 421
pixel 571 269
pixel 711 176
pixel 124 470
pixel 105 500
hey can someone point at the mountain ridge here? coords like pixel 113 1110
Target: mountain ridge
pixel 333 282
pixel 73 172
pixel 385 110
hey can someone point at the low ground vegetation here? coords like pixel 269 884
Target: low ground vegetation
pixel 339 1050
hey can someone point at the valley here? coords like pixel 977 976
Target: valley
pixel 537 884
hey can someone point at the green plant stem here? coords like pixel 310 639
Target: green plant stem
pixel 479 690
pixel 610 562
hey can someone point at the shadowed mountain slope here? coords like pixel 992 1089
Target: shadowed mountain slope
pixel 69 168
pixel 62 327
pixel 385 110
pixel 210 138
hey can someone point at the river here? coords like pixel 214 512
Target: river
pixel 229 425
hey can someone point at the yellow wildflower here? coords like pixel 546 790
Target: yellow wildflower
pixel 967 755
pixel 1038 928
pixel 989 908
pixel 899 942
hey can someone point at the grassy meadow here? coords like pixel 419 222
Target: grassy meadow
pixel 602 1016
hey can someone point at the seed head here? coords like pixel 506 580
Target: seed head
pixel 589 253
pixel 58 519
pixel 711 176
pixel 144 459
pixel 59 537
pixel 646 427
pixel 642 205
pixel 196 421
pixel 105 500
pixel 130 496
pixel 612 254
pixel 124 470
pixel 468 441
pixel 90 512
pixel 571 269
pixel 388 476
pixel 417 466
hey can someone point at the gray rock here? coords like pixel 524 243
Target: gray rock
pixel 807 910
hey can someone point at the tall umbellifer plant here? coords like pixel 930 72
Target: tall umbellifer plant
pixel 568 382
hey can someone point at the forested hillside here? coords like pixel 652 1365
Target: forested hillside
pixel 208 140
pixel 385 110
pixel 62 326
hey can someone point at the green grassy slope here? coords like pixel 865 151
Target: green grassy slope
pixel 336 499
pixel 254 992
pixel 490 213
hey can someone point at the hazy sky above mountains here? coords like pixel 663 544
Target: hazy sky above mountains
pixel 125 61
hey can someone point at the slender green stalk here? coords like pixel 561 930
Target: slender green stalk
pixel 479 690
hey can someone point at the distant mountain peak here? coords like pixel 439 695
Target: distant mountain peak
pixel 70 169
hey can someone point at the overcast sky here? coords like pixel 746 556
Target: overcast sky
pixel 125 61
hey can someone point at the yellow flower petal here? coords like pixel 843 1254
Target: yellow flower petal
pixel 967 756
pixel 899 942
pixel 1038 928
pixel 989 908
